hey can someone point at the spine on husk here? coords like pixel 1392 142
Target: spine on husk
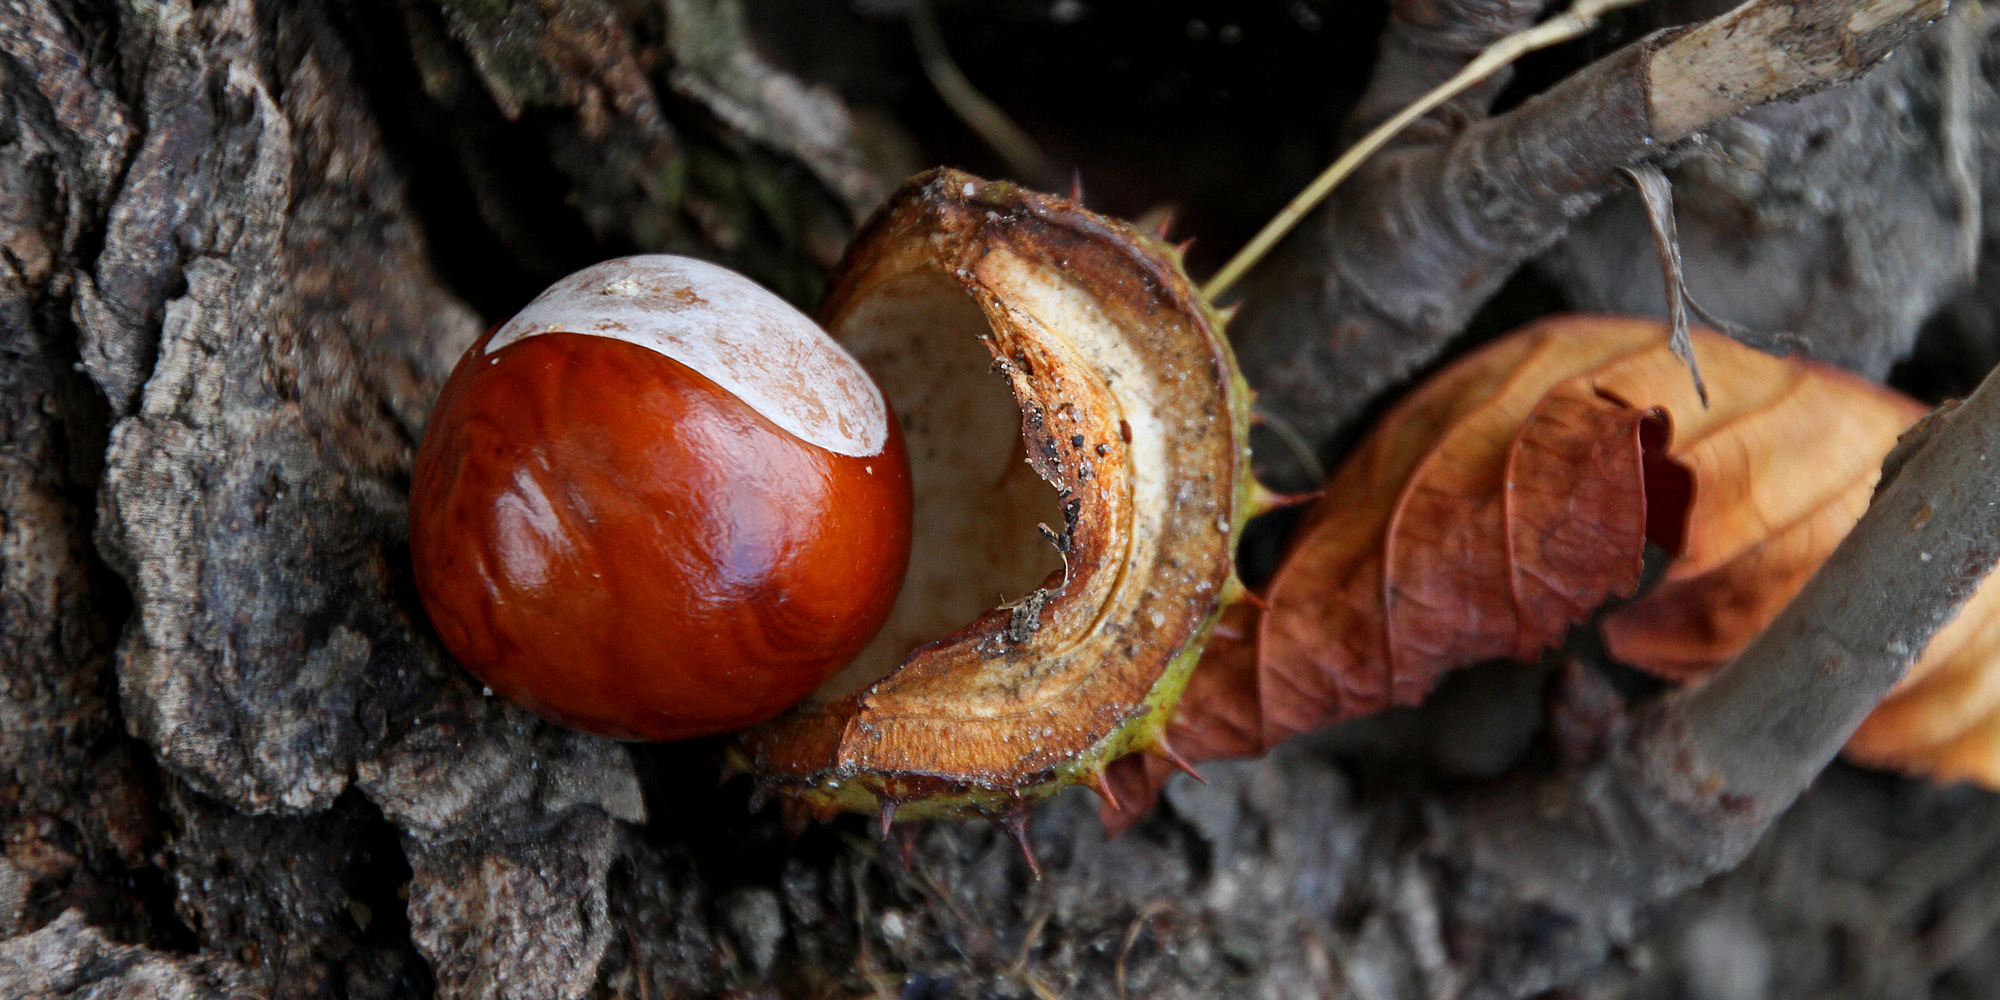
pixel 1090 316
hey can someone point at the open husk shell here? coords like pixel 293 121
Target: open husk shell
pixel 1077 432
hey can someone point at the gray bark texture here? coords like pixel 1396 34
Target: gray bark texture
pixel 234 761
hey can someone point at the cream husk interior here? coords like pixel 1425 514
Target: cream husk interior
pixel 974 541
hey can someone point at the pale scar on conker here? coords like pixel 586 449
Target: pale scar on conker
pixel 658 503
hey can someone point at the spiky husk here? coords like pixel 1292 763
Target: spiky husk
pixel 1131 407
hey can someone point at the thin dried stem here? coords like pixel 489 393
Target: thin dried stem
pixel 1580 18
pixel 988 120
pixel 1656 194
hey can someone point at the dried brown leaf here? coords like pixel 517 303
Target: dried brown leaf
pixel 1512 495
pixel 1503 502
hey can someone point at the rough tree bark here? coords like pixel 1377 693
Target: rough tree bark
pixel 234 762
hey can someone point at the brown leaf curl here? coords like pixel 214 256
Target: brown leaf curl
pixel 1511 495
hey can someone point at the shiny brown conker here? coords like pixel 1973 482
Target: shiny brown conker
pixel 659 503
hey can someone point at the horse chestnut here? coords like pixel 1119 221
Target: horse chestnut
pixel 658 503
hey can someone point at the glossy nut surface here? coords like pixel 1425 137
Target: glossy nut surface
pixel 608 537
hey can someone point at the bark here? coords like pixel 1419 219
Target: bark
pixel 249 294
pixel 69 958
pixel 244 240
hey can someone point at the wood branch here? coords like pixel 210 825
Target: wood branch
pixel 1762 52
pixel 1698 777
pixel 1852 274
pixel 1545 876
pixel 1391 268
pixel 1769 721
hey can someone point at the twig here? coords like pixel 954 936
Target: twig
pixel 1579 19
pixel 1040 989
pixel 1769 721
pixel 1392 267
pixel 1766 50
pixel 882 985
pixel 979 113
pixel 1704 771
pixel 1296 443
pixel 1043 911
pixel 1423 43
pixel 1132 932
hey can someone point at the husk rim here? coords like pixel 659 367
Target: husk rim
pixel 961 219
